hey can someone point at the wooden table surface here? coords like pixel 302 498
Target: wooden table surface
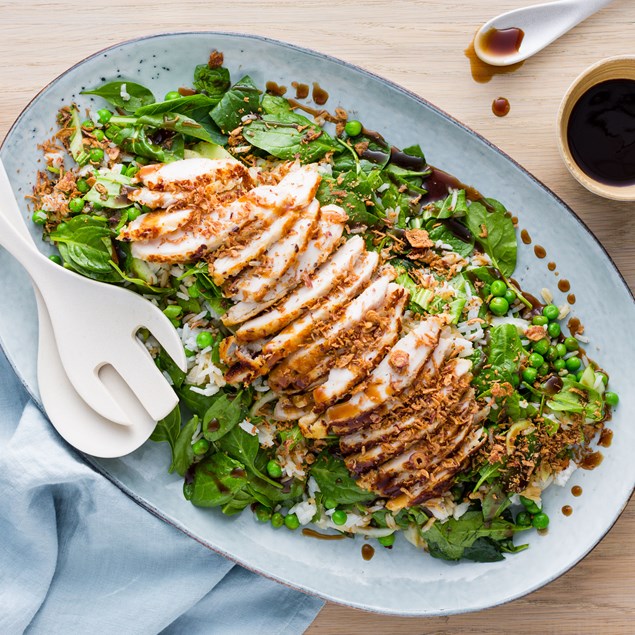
pixel 420 45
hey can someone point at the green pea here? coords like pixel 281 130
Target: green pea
pixel 611 398
pixel 498 288
pixel 540 521
pixel 561 349
pixel 173 94
pixel 541 346
pixel 559 364
pixel 329 503
pixel 552 353
pixel 386 541
pixel 82 186
pixel 578 375
pixel 510 296
pixel 96 155
pixel 56 259
pixel 193 291
pixel 172 311
pixel 603 377
pixel 200 447
pixel 104 115
pixel 539 320
pixel 529 505
pixel 189 353
pixel 112 132
pixel 551 312
pixel 76 205
pixel 99 135
pixel 277 520
pixel 339 517
pixel 543 370
pixel 571 343
pixel 273 469
pixel 262 513
pixel 353 128
pixel 573 364
pixel 204 339
pixel 536 360
pixel 499 306
pixel 554 329
pixel 40 217
pixel 529 375
pixel 291 521
pixel 88 125
pixel 523 519
pixel 133 213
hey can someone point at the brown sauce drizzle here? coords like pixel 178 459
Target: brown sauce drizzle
pixel 319 95
pixel 576 490
pixel 501 107
pixel 551 266
pixel 525 237
pixel 515 220
pixel 438 185
pixel 567 510
pixel 367 551
pixel 213 425
pixel 571 298
pixel 482 72
pixel 564 285
pixel 540 251
pixel 502 41
pixel 606 438
pixel 591 461
pixel 574 326
pixel 543 532
pixel 313 111
pixel 275 89
pixel 301 90
pixel 238 473
pixel 316 534
pixel 186 92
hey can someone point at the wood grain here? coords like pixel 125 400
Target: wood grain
pixel 418 44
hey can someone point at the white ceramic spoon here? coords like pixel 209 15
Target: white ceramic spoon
pixel 541 24
pixel 95 326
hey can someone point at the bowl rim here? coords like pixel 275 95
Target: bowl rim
pixel 624 193
pixel 174 522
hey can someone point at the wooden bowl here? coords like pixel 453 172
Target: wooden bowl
pixel 621 67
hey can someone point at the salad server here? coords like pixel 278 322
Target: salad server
pixel 99 330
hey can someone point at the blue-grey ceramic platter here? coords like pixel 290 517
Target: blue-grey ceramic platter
pixel 401 581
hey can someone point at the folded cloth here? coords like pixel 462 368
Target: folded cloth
pixel 78 556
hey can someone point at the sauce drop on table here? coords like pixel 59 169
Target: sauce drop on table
pixel 576 490
pixel 275 89
pixel 591 461
pixel 367 551
pixel 316 534
pixel 567 510
pixel 301 90
pixel 540 251
pixel 606 438
pixel 551 266
pixel 319 95
pixel 525 237
pixel 571 298
pixel 564 285
pixel 601 132
pixel 500 106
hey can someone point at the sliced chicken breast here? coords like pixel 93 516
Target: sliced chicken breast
pixel 189 172
pixel 155 224
pixel 153 198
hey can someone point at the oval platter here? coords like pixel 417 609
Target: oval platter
pixel 400 581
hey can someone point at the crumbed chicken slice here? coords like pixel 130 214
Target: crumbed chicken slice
pixel 327 235
pixel 341 380
pixel 439 479
pixel 244 367
pixel 323 280
pixel 156 224
pixel 189 172
pixel 397 437
pixel 302 368
pixel 369 436
pixel 254 283
pixel 395 372
pixel 153 198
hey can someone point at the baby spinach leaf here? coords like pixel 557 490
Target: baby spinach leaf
pixel 195 402
pixel 168 429
pixel 504 357
pixel 222 416
pixel 275 105
pixel 484 550
pixel 182 453
pixel 335 482
pixel 166 363
pixel 195 106
pixel 495 502
pixel 449 540
pixel 124 94
pixel 494 230
pixel 351 192
pixel 217 481
pixel 242 99
pixel 442 233
pixel 487 473
pixel 214 82
pixel 453 205
pixel 240 501
pixel 289 136
pixel 176 122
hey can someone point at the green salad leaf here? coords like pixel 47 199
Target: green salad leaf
pixel 214 82
pixel 217 481
pixel 335 481
pixel 222 416
pixel 182 452
pixel 168 429
pixel 243 98
pixel 123 94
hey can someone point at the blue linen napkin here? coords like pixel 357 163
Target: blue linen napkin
pixel 78 556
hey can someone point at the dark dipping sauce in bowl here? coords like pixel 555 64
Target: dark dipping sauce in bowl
pixel 601 132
